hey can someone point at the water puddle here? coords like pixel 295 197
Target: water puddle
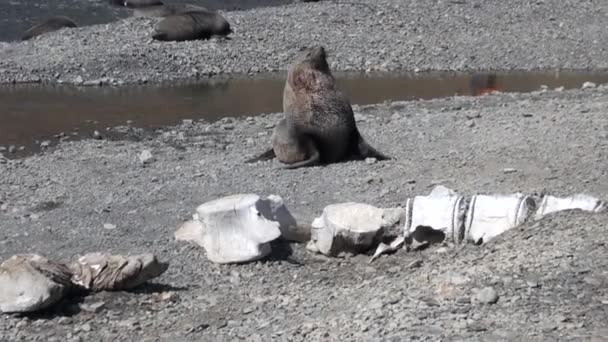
pixel 33 113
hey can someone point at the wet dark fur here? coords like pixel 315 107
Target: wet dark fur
pixel 49 25
pixel 320 113
pixel 192 25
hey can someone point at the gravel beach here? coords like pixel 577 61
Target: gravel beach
pixel 359 35
pixel 544 281
pixel 547 279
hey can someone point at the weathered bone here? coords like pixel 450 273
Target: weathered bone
pixel 353 227
pixel 231 229
pixel 442 210
pixel 491 215
pixel 104 272
pixel 30 282
pixel 585 202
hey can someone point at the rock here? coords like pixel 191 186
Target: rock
pixel 109 226
pixel 231 229
pixel 370 160
pixel 45 144
pixel 30 282
pixel 12 149
pixel 353 227
pixel 78 80
pixel 588 85
pixel 509 170
pixel 97 135
pixel 104 272
pixel 93 307
pixel 145 157
pixel 487 295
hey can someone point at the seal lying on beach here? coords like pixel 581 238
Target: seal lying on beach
pixel 136 3
pixel 167 10
pixel 49 25
pixel 192 25
pixel 319 119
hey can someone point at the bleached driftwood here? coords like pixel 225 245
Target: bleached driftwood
pixel 30 282
pixel 353 227
pixel 105 272
pixel 231 229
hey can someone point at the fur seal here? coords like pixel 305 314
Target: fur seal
pixel 49 25
pixel 192 25
pixel 319 121
pixel 167 10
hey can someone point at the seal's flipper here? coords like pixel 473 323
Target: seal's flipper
pixel 314 158
pixel 367 151
pixel 268 155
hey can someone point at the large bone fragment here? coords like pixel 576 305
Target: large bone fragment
pixel 491 215
pixel 442 210
pixel 104 272
pixel 231 229
pixel 550 204
pixel 30 282
pixel 274 209
pixel 352 227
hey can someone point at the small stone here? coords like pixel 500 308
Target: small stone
pixel 187 121
pixel 45 144
pixel 487 295
pixel 86 327
pixel 415 264
pixel 78 80
pixel 94 307
pixel 4 207
pixel 145 157
pixel 168 296
pixel 248 310
pixel 509 170
pixel 532 284
pixel 370 160
pixel 463 300
pixel 559 89
pixel 588 85
pixel 527 115
pixel 109 226
pixel 471 123
pixel 394 269
pixel 97 135
pixel 2 149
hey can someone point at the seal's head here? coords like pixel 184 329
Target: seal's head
pixel 310 70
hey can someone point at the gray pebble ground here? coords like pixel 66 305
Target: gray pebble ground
pixel 359 35
pixel 544 281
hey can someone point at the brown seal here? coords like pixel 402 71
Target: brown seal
pixel 192 25
pixel 49 25
pixel 319 117
pixel 167 10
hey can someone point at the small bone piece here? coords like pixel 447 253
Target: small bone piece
pixel 491 215
pixel 551 204
pixel 387 248
pixel 30 282
pixel 352 227
pixel 104 272
pixel 231 229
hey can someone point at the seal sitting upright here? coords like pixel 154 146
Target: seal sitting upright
pixel 319 121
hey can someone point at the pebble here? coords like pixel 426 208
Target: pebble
pixel 588 85
pixel 45 143
pixel 509 170
pixel 93 307
pixel 109 226
pixel 487 295
pixel 12 149
pixel 146 157
pixel 97 135
pixel 370 160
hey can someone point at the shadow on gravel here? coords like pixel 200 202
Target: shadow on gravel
pixel 282 251
pixel 150 288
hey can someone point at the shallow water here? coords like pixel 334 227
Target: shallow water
pixel 37 112
pixel 16 16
